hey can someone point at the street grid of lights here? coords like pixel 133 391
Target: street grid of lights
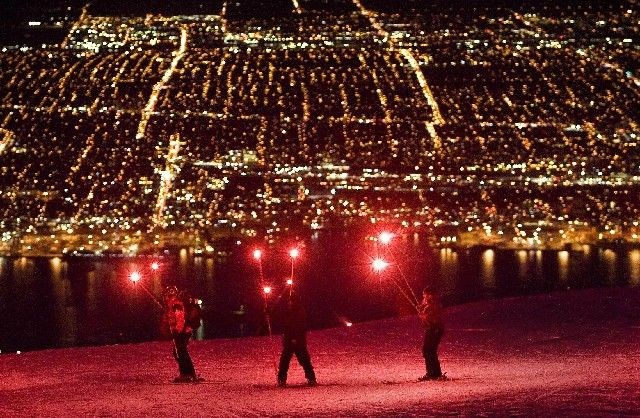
pixel 540 105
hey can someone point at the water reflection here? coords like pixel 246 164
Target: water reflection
pixel 523 264
pixel 56 264
pixel 488 269
pixel 448 271
pixel 634 267
pixel 448 267
pixel 610 260
pixel 563 266
pixel 3 264
pixel 25 268
pixel 538 264
pixel 64 309
pixel 198 267
pixel 183 264
pixel 92 293
pixel 93 302
pixel 209 276
pixel 156 282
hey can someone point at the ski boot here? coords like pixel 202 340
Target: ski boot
pixel 432 377
pixel 183 378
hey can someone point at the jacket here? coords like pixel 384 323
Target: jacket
pixel 430 312
pixel 175 316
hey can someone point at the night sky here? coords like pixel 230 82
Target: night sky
pixel 14 17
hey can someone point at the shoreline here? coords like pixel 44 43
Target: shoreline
pixel 222 251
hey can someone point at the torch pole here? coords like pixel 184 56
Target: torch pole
pixel 150 294
pixel 406 295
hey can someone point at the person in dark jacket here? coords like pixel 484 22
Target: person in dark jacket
pixel 292 316
pixel 430 313
pixel 176 321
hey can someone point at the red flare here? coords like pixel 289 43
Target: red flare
pixel 385 237
pixel 379 264
pixel 135 276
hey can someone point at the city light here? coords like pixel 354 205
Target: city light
pixel 266 290
pixel 290 282
pixel 408 134
pixel 155 265
pixel 257 254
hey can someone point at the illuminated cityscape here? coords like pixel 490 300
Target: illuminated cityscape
pixel 510 126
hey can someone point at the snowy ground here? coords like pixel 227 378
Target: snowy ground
pixel 574 353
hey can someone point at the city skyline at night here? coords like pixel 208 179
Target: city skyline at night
pixel 509 124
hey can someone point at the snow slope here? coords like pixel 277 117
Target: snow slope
pixel 571 353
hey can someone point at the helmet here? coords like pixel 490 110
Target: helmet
pixel 428 290
pixel 170 291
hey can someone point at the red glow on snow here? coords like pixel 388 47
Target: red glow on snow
pixel 294 253
pixel 379 264
pixel 257 254
pixel 135 276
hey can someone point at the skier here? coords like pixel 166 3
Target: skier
pixel 430 313
pixel 240 315
pixel 291 315
pixel 176 318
